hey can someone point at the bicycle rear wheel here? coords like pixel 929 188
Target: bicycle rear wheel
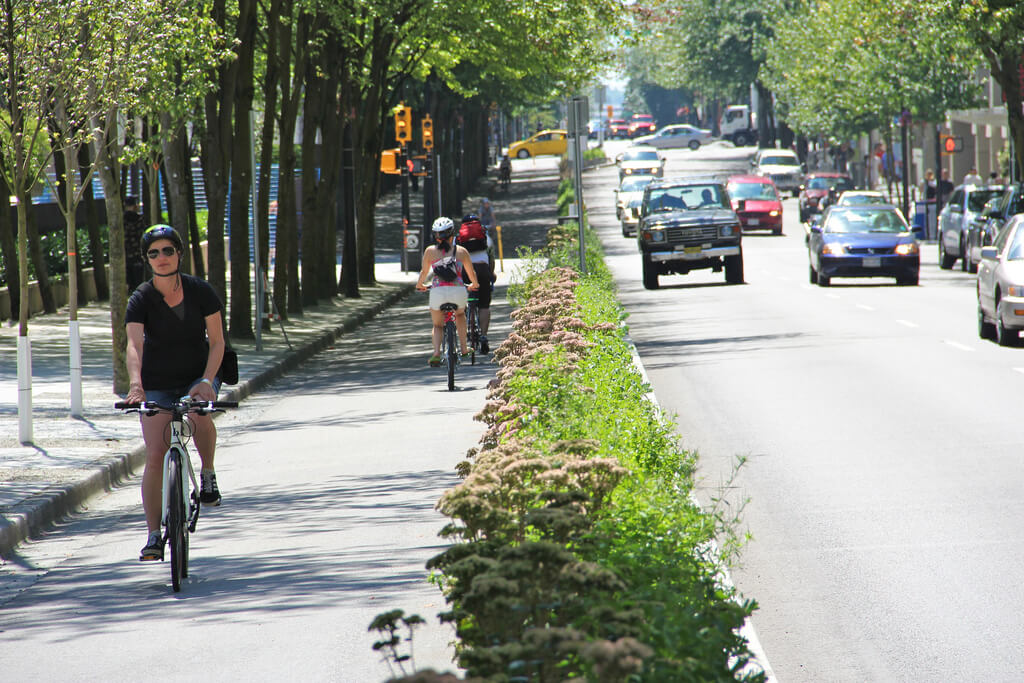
pixel 472 330
pixel 176 533
pixel 452 352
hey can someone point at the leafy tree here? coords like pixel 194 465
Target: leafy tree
pixel 996 28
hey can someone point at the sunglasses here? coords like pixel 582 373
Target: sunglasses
pixel 166 251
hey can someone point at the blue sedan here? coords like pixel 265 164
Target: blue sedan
pixel 863 241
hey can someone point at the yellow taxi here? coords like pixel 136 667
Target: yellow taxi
pixel 544 142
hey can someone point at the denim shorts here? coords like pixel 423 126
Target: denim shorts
pixel 165 397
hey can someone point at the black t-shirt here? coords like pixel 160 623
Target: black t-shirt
pixel 175 351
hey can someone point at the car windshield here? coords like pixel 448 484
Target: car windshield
pixel 635 184
pixel 876 219
pixel 686 197
pixel 861 198
pixel 976 200
pixel 640 155
pixel 1016 250
pixel 779 161
pixel 824 183
pixel 763 191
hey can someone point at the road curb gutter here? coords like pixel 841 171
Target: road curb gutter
pixel 28 518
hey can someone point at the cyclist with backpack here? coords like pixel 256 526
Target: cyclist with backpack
pixel 479 244
pixel 448 265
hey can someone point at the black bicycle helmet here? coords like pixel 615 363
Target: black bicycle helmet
pixel 160 232
pixel 470 217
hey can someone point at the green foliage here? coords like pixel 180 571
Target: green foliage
pixel 579 552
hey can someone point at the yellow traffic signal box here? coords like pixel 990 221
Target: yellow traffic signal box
pixel 428 132
pixel 403 124
pixel 389 161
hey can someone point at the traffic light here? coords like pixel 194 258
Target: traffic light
pixel 389 161
pixel 403 124
pixel 428 132
pixel 952 144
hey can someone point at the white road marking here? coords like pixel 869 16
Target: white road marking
pixel 1020 370
pixel 907 323
pixel 866 307
pixel 830 295
pixel 958 345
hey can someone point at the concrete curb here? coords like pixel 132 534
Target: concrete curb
pixel 37 512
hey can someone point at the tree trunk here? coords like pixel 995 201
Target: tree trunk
pixel 175 161
pixel 110 175
pixel 312 224
pixel 9 244
pixel 76 295
pixel 270 103
pixel 198 263
pixel 99 260
pixel 38 256
pixel 241 176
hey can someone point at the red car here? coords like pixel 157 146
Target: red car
pixel 618 128
pixel 641 124
pixel 756 201
pixel 816 187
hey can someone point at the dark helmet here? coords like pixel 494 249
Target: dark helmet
pixel 470 217
pixel 160 232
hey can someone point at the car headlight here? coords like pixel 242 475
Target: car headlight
pixel 833 249
pixel 627 171
pixel 774 213
pixel 730 230
pixel 1015 290
pixel 654 169
pixel 655 235
pixel 907 249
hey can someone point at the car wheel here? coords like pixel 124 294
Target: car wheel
pixel 945 260
pixel 741 140
pixel 812 274
pixel 1004 335
pixel 776 231
pixel 694 145
pixel 734 269
pixel 986 330
pixel 910 280
pixel 965 249
pixel 803 216
pixel 824 280
pixel 625 231
pixel 523 154
pixel 650 274
pixel 796 194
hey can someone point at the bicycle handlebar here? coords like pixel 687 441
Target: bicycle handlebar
pixel 191 405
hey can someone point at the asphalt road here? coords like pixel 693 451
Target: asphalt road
pixel 882 475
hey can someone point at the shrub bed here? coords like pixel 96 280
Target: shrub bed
pixel 578 551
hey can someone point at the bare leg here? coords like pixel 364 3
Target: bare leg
pixel 460 326
pixel 204 436
pixel 437 318
pixel 154 433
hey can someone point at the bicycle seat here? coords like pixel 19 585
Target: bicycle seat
pixel 449 307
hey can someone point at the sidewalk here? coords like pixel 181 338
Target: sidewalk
pixel 73 459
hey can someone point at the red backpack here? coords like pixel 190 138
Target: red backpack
pixel 472 235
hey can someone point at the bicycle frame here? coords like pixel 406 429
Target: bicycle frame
pixel 176 442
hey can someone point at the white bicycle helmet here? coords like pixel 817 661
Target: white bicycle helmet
pixel 443 228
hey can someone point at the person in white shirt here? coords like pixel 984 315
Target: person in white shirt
pixel 972 177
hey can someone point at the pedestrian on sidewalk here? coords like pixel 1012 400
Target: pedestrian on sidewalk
pixel 449 283
pixel 134 263
pixel 972 177
pixel 175 347
pixel 486 214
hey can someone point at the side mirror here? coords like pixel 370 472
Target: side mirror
pixel 741 205
pixel 955 208
pixel 989 253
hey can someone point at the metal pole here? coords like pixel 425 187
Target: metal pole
pixel 904 123
pixel 579 197
pixel 257 271
pixel 406 266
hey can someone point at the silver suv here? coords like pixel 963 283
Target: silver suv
pixel 964 205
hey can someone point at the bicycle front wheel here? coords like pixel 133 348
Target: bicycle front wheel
pixel 453 352
pixel 176 521
pixel 473 330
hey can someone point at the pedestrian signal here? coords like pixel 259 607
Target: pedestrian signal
pixel 403 124
pixel 610 110
pixel 952 144
pixel 428 132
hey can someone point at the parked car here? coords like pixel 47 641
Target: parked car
pixel 687 225
pixel 965 204
pixel 816 187
pixel 595 126
pixel 863 241
pixel 618 128
pixel 782 166
pixel 640 161
pixel 676 135
pixel 857 197
pixel 986 226
pixel 641 124
pixel 544 142
pixel 756 201
pixel 1001 285
pixel 627 201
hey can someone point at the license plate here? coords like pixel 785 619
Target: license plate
pixel 872 262
pixel 692 250
pixel 753 221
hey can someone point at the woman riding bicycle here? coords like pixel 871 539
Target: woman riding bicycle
pixel 442 291
pixel 175 347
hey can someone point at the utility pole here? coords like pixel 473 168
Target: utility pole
pixel 579 110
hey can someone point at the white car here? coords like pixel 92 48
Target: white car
pixel 782 166
pixel 677 135
pixel 627 202
pixel 637 161
pixel 1001 285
